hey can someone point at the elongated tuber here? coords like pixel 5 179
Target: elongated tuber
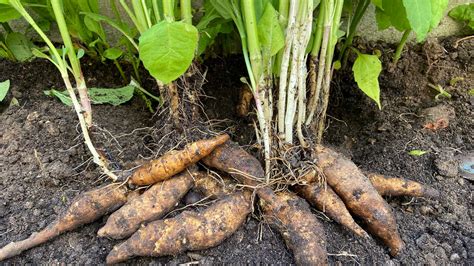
pixel 151 205
pixel 327 201
pixel 393 186
pixel 360 196
pixel 300 229
pixel 211 187
pixel 175 162
pixel 188 231
pixel 245 101
pixel 242 166
pixel 85 209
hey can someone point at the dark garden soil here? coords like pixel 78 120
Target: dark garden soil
pixel 44 165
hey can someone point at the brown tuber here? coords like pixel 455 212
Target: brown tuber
pixel 189 230
pixel 157 201
pixel 174 162
pixel 84 209
pixel 300 229
pixel 359 196
pixel 393 186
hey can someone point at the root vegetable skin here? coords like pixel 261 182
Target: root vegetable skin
pixel 360 196
pixel 151 205
pixel 187 231
pixel 85 209
pixel 393 186
pixel 175 162
pixel 245 101
pixel 210 187
pixel 242 166
pixel 327 201
pixel 300 229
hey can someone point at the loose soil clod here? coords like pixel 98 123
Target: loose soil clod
pixel 188 231
pixel 175 162
pixel 151 205
pixel 85 209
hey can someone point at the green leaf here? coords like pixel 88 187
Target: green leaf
pixel 417 152
pixel 437 12
pixel 366 73
pixel 471 92
pixel 382 19
pixel 419 16
pixel 464 13
pixel 377 3
pixel 113 53
pixel 8 13
pixel 62 96
pixel 19 45
pixel 396 11
pixel 270 33
pixel 4 87
pixel 98 95
pixel 167 49
pixel 111 96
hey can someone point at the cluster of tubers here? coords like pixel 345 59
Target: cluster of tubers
pixel 139 217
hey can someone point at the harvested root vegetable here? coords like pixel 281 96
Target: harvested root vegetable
pixel 85 209
pixel 245 101
pixel 151 205
pixel 360 196
pixel 175 162
pixel 300 229
pixel 188 231
pixel 327 201
pixel 211 187
pixel 242 166
pixel 393 186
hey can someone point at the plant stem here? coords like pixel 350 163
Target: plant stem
pixel 282 90
pixel 336 19
pixel 186 11
pixel 358 14
pixel 250 22
pixel 327 7
pixel 156 11
pixel 134 19
pixel 400 46
pixel 119 68
pixel 74 61
pixel 168 9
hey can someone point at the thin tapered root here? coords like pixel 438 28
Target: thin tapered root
pixel 85 209
pixel 394 186
pixel 188 231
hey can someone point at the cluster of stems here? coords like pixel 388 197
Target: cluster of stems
pixel 82 106
pixel 284 75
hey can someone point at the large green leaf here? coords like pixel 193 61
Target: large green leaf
pixel 270 33
pixel 167 49
pixel 419 16
pixel 19 45
pixel 437 12
pixel 464 13
pixel 382 19
pixel 396 11
pixel 8 13
pixel 4 87
pixel 98 95
pixel 366 70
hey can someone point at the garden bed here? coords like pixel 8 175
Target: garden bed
pixel 43 163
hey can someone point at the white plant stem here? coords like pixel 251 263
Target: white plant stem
pixel 290 36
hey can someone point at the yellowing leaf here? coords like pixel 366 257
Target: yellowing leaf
pixel 366 70
pixel 417 152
